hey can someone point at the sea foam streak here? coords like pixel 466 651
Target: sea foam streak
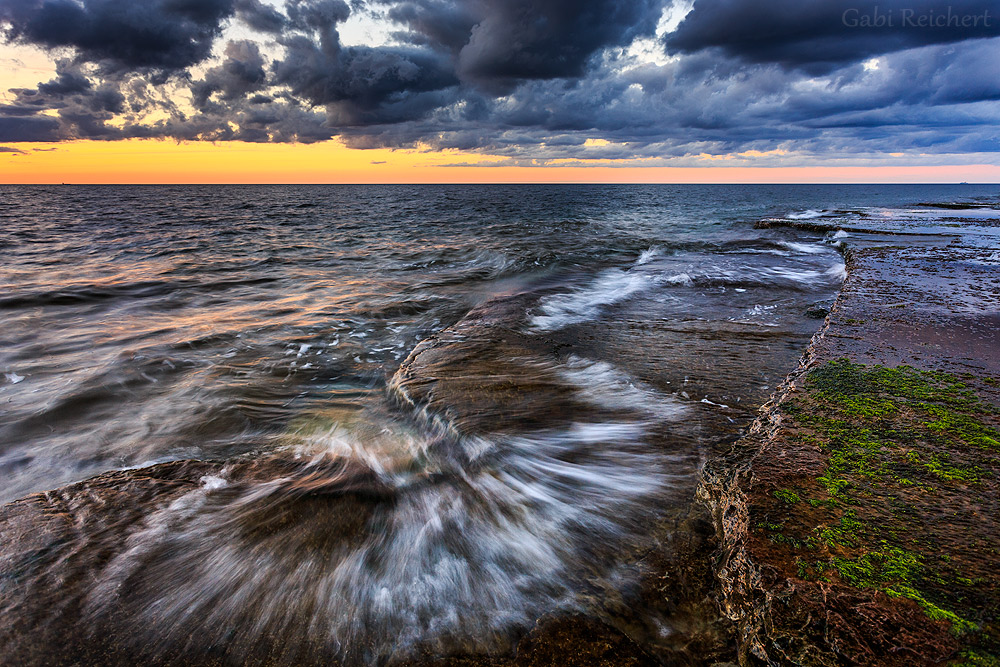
pixel 462 540
pixel 605 386
pixel 806 215
pixel 610 287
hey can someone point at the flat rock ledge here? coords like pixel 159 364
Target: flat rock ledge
pixel 859 519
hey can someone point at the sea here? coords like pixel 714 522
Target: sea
pixel 580 350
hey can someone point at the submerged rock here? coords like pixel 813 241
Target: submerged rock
pixel 544 515
pixel 88 571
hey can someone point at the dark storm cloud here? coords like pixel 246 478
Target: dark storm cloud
pixel 528 39
pixel 319 15
pixel 30 129
pixel 359 85
pixel 241 73
pixel 25 109
pixel 820 34
pixel 439 24
pixel 529 81
pixel 260 17
pixel 165 34
pixel 497 43
pixel 363 85
pixel 69 79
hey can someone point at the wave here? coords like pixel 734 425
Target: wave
pixel 83 294
pixel 808 214
pixel 605 386
pixel 613 286
pixel 648 255
pixel 443 540
pixel 804 248
pixel 610 287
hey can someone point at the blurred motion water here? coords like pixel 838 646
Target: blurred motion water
pixel 634 331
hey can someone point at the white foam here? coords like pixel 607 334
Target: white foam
pixel 679 279
pixel 808 214
pixel 14 378
pixel 474 555
pixel 806 248
pixel 804 276
pixel 760 310
pixel 584 304
pixel 838 271
pixel 756 315
pixel 213 482
pixel 648 255
pixel 607 387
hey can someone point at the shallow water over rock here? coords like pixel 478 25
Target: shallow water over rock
pixel 367 432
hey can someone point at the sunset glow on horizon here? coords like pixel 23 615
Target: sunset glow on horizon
pixel 169 162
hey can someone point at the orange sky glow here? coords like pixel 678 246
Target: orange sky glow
pixel 152 161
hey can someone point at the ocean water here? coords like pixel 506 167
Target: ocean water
pixel 635 330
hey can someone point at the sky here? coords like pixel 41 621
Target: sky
pixel 329 91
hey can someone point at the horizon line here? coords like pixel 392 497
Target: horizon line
pixel 424 183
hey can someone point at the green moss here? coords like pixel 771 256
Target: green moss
pixel 851 451
pixel 876 568
pixel 846 534
pixel 868 403
pixel 959 625
pixel 846 383
pixel 977 659
pixel 763 525
pixel 787 495
pixel 892 436
pixel 896 572
pixel 781 538
pixel 962 427
pixel 939 465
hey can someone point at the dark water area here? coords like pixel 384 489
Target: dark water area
pixel 583 350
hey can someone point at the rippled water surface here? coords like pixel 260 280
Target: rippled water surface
pixel 585 348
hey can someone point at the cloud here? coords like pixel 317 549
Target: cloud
pixel 160 34
pixel 241 73
pixel 527 39
pixel 528 82
pixel 260 17
pixel 30 129
pixel 358 85
pixel 821 34
pixel 12 151
pixel 498 43
pixel 364 85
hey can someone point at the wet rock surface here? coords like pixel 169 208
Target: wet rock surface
pixel 80 565
pixel 474 374
pixel 545 515
pixel 859 518
pixel 209 563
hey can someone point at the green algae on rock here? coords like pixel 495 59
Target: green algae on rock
pixel 904 407
pixel 860 517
